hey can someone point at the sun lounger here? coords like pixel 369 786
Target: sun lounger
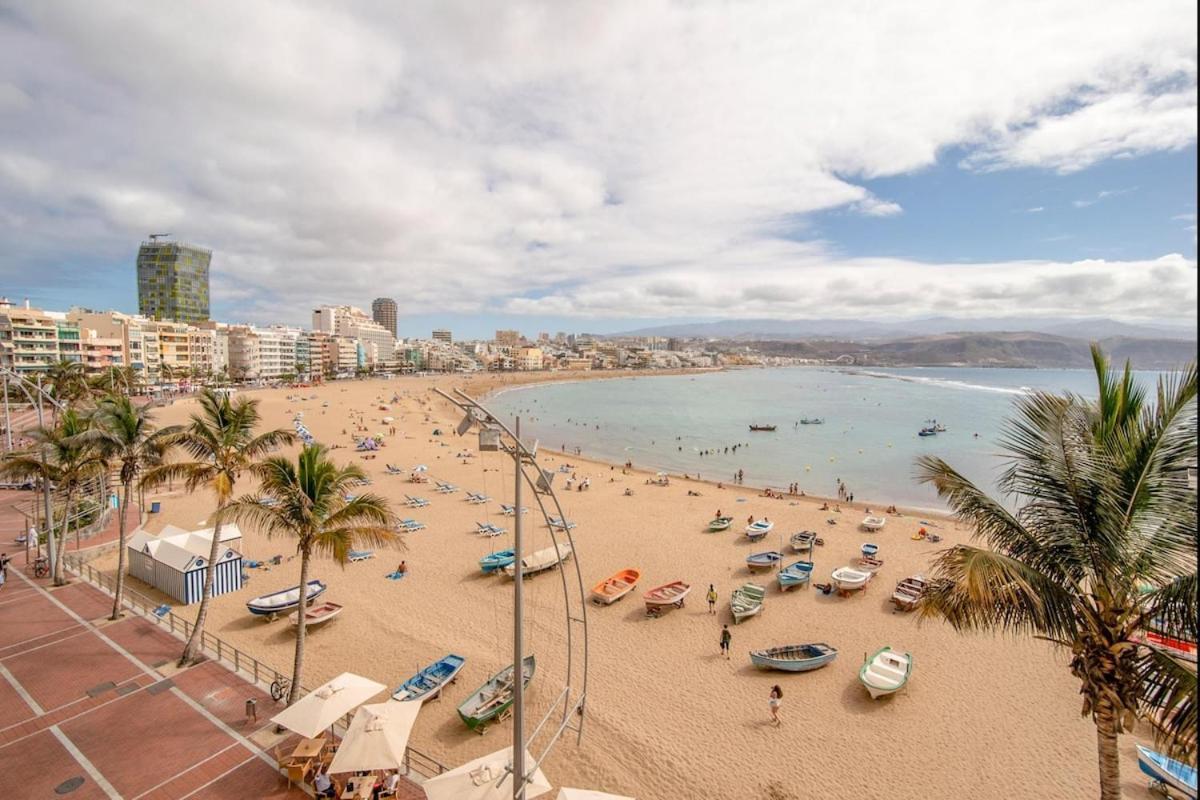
pixel 509 511
pixel 411 525
pixel 361 555
pixel 487 529
pixel 415 502
pixel 477 499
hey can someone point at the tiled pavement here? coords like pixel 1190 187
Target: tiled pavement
pixel 81 703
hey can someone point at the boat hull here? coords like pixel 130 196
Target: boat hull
pixel 429 682
pixel 317 615
pixel 886 672
pixel 763 560
pixel 794 658
pixel 613 588
pixel 797 574
pixel 1168 771
pixel 268 605
pixel 849 580
pixel 720 524
pixel 497 561
pixel 476 713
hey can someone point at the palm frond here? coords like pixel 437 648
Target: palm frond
pixel 1169 702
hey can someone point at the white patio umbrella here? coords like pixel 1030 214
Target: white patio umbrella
pixel 588 794
pixel 326 704
pixel 480 780
pixel 376 738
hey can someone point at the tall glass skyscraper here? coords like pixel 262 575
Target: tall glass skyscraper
pixel 173 281
pixel 383 310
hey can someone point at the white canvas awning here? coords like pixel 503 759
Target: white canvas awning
pixel 325 705
pixel 588 794
pixel 481 780
pixel 376 738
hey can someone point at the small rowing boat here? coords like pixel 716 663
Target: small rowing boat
pixel 541 560
pixel 720 524
pixel 886 672
pixel 802 542
pixel 494 562
pixel 316 615
pixel 869 549
pixel 848 579
pixel 757 530
pixel 794 657
pixel 494 698
pixel 429 682
pixel 268 605
pixel 910 591
pixel 612 589
pixel 662 597
pixel 870 563
pixel 1167 772
pixel 763 560
pixel 796 574
pixel 746 601
pixel 873 523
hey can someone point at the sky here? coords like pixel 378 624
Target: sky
pixel 607 166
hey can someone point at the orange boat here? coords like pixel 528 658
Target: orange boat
pixel 612 589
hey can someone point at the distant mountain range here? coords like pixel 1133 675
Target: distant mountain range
pixel 1022 349
pixel 862 330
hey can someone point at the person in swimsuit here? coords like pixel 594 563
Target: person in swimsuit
pixel 774 702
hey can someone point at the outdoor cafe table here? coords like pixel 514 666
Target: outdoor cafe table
pixel 359 788
pixel 308 749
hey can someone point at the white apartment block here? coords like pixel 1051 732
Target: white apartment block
pixel 349 322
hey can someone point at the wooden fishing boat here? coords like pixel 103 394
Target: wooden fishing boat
pixel 746 601
pixel 848 579
pixel 795 574
pixel 662 597
pixel 316 615
pixel 429 682
pixel 909 592
pixel 767 428
pixel 757 530
pixel 268 605
pixel 612 589
pixel 494 562
pixel 872 523
pixel 492 700
pixel 720 524
pixel 763 560
pixel 1167 772
pixel 541 560
pixel 794 657
pixel 869 549
pixel 870 563
pixel 886 672
pixel 802 542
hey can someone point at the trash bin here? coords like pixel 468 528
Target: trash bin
pixel 155 507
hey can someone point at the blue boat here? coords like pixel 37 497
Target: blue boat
pixel 1167 772
pixel 429 682
pixel 494 562
pixel 764 560
pixel 869 549
pixel 795 574
pixel 794 657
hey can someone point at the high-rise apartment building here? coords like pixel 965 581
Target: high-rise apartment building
pixel 32 340
pixel 173 281
pixel 383 311
pixel 443 335
pixel 508 338
pixel 378 343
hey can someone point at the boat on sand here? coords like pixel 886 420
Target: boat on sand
pixel 662 597
pixel 494 562
pixel 429 682
pixel 757 530
pixel 802 542
pixel 541 560
pixel 720 524
pixel 848 579
pixel 746 601
pixel 316 615
pixel 909 592
pixel 1167 772
pixel 886 672
pixel 613 588
pixel 873 523
pixel 795 574
pixel 492 700
pixel 794 657
pixel 268 605
pixel 763 560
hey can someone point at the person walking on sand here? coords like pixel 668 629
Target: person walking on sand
pixel 726 638
pixel 774 702
pixel 712 599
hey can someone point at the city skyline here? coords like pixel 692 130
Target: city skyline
pixel 646 167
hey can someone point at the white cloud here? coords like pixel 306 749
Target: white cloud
pixel 1035 210
pixel 527 155
pixel 1101 195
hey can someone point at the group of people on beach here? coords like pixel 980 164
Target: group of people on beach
pixel 844 494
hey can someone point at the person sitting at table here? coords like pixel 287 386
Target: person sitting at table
pixel 391 785
pixel 323 784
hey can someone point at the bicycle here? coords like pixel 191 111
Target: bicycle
pixel 280 688
pixel 41 567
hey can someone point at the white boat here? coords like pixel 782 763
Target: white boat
pixel 746 601
pixel 872 523
pixel 541 560
pixel 802 542
pixel 757 530
pixel 886 672
pixel 1167 772
pixel 316 615
pixel 268 605
pixel 848 579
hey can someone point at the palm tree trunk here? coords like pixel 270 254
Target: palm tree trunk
pixel 195 643
pixel 59 579
pixel 298 663
pixel 120 587
pixel 1106 745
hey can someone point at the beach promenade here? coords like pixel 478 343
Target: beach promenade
pixel 99 706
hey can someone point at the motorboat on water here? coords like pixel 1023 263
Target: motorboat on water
pixel 767 428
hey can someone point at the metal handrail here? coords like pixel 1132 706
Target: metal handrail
pixel 242 662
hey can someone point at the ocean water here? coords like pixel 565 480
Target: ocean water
pixel 869 438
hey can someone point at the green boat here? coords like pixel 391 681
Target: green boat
pixel 720 524
pixel 492 700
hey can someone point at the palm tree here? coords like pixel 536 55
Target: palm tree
pixel 66 383
pixel 126 438
pixel 61 456
pixel 1103 544
pixel 306 500
pixel 222 443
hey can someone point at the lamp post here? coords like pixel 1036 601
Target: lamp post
pixel 495 436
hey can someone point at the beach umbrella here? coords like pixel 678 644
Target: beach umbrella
pixel 326 704
pixel 482 778
pixel 376 738
pixel 588 794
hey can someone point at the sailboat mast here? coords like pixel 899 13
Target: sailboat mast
pixel 518 751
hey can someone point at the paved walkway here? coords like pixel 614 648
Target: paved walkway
pixel 99 706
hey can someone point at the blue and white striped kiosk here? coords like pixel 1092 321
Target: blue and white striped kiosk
pixel 174 561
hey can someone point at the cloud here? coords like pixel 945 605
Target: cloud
pixel 1101 195
pixel 1035 210
pixel 578 159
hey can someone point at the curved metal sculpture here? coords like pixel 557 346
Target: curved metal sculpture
pixel 494 435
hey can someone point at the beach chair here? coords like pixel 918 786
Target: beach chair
pixel 556 522
pixel 416 502
pixel 361 555
pixel 510 511
pixel 391 470
pixel 411 525
pixel 477 499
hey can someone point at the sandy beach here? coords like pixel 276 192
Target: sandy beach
pixel 668 717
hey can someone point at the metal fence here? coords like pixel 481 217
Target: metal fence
pixel 262 675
